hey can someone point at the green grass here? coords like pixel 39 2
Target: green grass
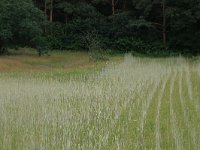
pixel 60 65
pixel 140 103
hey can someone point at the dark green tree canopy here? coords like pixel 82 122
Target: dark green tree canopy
pixel 20 22
pixel 122 25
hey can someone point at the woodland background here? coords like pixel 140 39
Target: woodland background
pixel 151 27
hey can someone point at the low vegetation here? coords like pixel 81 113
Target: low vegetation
pixel 140 103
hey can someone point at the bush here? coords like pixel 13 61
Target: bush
pixel 131 44
pixel 56 36
pixel 91 41
pixel 98 55
pixel 3 51
pixel 42 45
pixel 137 45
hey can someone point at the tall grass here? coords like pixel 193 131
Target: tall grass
pixel 108 110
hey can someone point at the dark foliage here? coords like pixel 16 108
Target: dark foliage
pixel 149 27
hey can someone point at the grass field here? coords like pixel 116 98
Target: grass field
pixel 25 63
pixel 140 103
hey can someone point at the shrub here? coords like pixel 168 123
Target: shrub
pixel 138 46
pixel 98 55
pixel 92 42
pixel 42 45
pixel 56 36
pixel 3 51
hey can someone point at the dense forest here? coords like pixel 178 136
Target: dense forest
pixel 140 26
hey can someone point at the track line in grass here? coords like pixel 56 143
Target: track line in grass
pixel 157 121
pixel 133 132
pixel 190 92
pixel 195 79
pixel 149 128
pixel 124 131
pixel 189 83
pixel 144 110
pixel 192 114
pixel 166 140
pixel 184 134
pixel 194 88
pixel 119 130
pixel 174 127
pixel 186 120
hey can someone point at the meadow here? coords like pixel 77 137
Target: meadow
pixel 129 103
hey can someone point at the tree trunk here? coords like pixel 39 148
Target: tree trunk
pixel 45 14
pixel 45 8
pixel 0 48
pixel 124 5
pixel 164 25
pixel 3 50
pixel 66 19
pixel 51 12
pixel 113 7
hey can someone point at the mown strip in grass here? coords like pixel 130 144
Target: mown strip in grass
pixel 179 112
pixel 193 116
pixel 149 128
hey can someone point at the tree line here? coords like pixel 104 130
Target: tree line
pixel 141 26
